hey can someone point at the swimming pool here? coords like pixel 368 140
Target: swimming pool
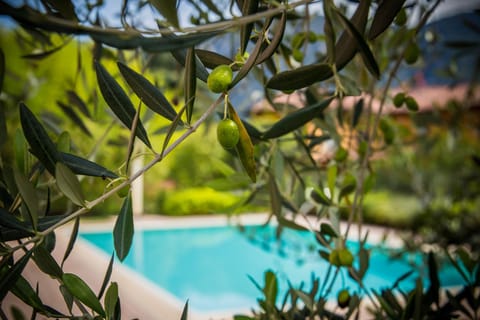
pixel 211 266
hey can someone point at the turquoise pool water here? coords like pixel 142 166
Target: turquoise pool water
pixel 211 266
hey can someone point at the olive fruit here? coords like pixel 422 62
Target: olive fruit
pixel 345 257
pixel 412 53
pixel 228 134
pixel 341 258
pixel 343 298
pixel 411 103
pixel 220 78
pixel 123 192
pixel 333 258
pixel 399 99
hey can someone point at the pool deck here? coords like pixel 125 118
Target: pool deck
pixel 140 299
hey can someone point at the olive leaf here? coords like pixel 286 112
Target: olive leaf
pixel 147 92
pixel 300 77
pixel 365 52
pixel 247 7
pixel 80 290
pixel 190 83
pixel 40 143
pixel 212 59
pixel 29 197
pixel 119 102
pixel 123 229
pixel 8 280
pixel 2 69
pixel 70 113
pixel 75 100
pixel 386 12
pixel 168 9
pixel 68 183
pixel 244 146
pixel 85 167
pixel 275 41
pixel 296 119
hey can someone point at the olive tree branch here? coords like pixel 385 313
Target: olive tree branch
pixel 158 158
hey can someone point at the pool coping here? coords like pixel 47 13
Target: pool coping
pixel 130 281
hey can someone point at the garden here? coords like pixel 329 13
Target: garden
pixel 344 114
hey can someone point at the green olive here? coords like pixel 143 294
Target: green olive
pixel 345 257
pixel 220 78
pixel 399 99
pixel 228 134
pixel 412 53
pixel 343 298
pixel 411 103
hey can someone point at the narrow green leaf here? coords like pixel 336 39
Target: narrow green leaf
pixel 329 30
pixel 275 197
pixel 250 63
pixel 271 288
pixel 67 297
pixel 244 146
pixel 275 41
pixel 40 143
pixel 327 230
pixel 190 83
pixel 348 186
pixel 123 230
pixel 64 8
pixel 320 197
pixel 305 298
pixel 74 99
pixel 85 167
pixel 384 16
pixel 290 224
pixel 301 77
pixel 45 262
pixel 366 53
pixel 357 112
pixel 108 274
pixel 44 54
pixel 247 7
pixel 168 9
pixel 147 92
pixel 184 315
pixel 111 300
pixel 119 102
pixel 8 280
pixel 82 292
pixel 296 119
pixel 71 241
pixel 24 291
pixel 9 221
pixel 2 69
pixel 68 183
pixel 29 197
pixel 212 59
pixel 20 148
pixel 172 129
pixel 346 46
pixel 72 115
pixel 181 56
pixel 3 122
pixel 331 179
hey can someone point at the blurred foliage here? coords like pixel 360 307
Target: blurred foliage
pixel 196 201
